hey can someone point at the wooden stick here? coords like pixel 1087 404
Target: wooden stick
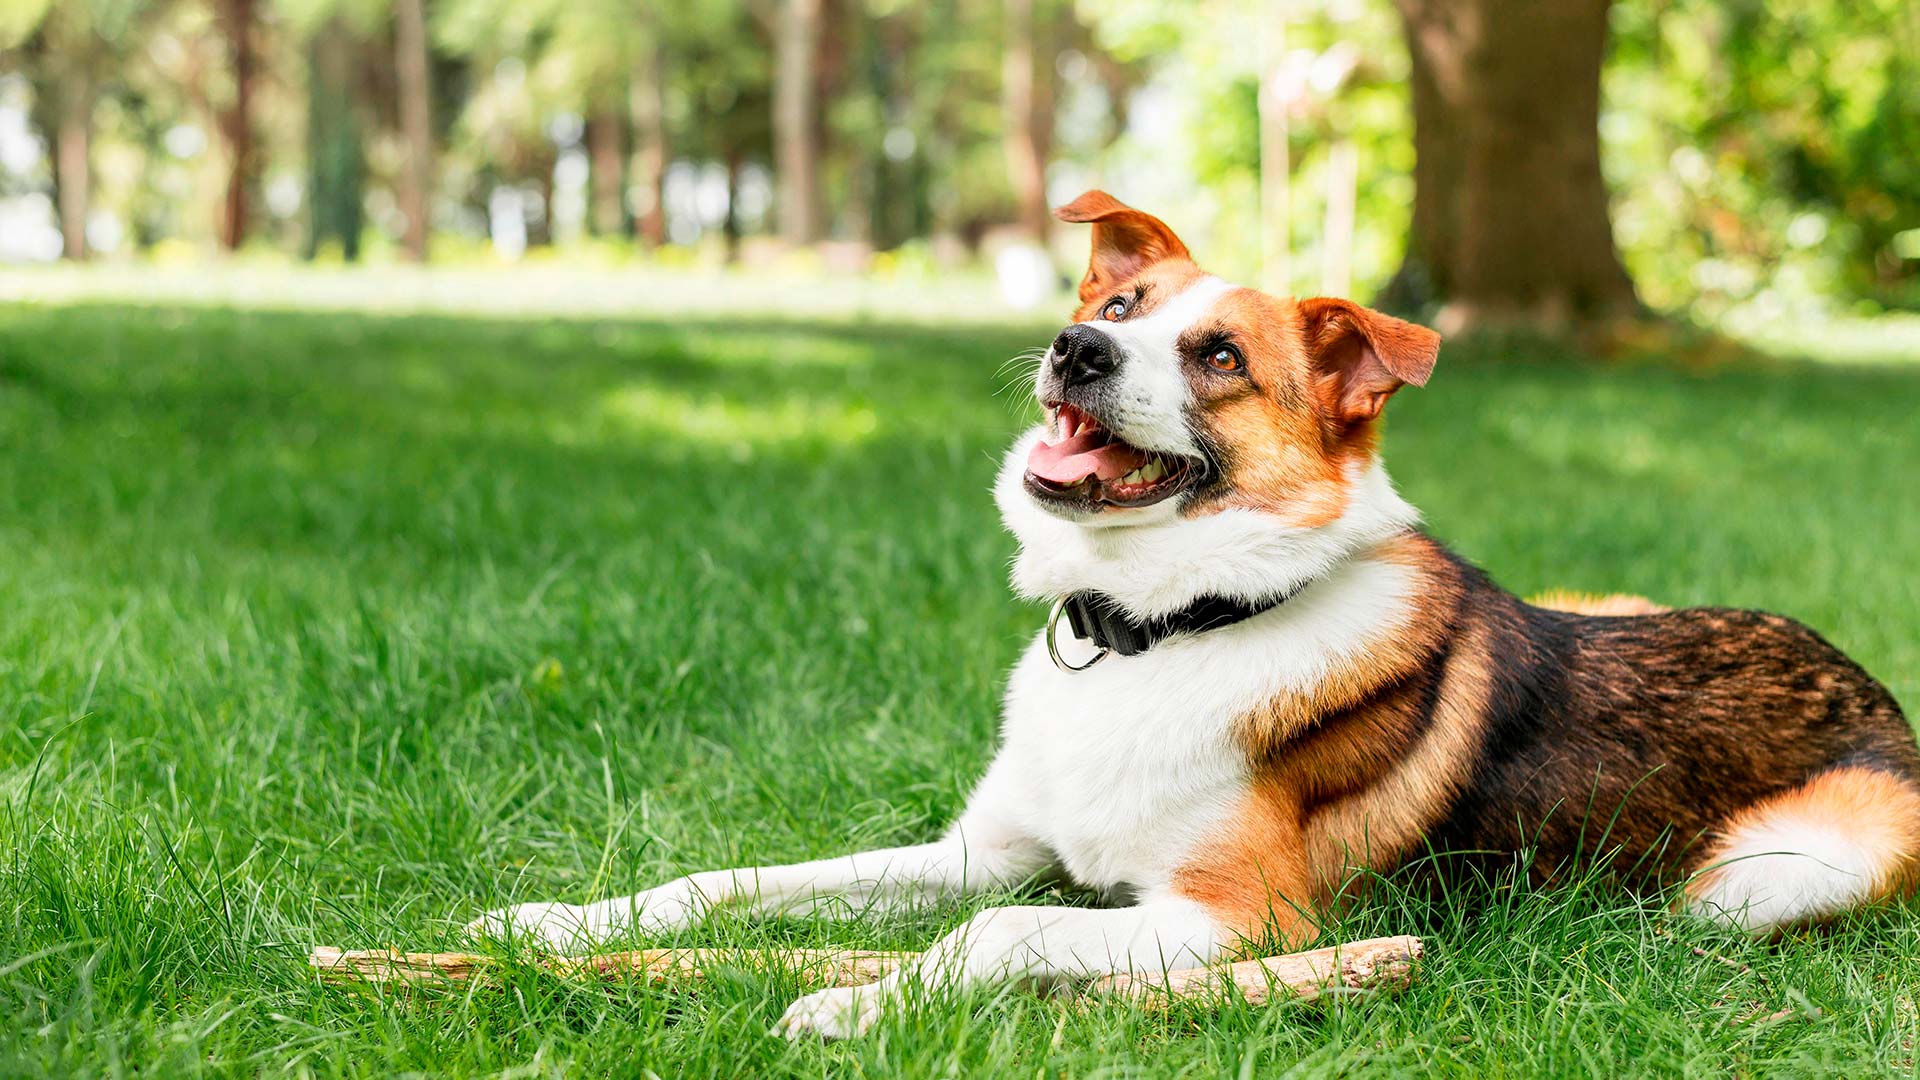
pixel 1374 964
pixel 830 967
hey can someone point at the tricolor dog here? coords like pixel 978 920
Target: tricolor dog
pixel 1261 677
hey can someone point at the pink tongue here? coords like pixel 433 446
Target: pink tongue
pixel 1074 459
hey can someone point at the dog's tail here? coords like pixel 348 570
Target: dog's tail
pixel 1580 603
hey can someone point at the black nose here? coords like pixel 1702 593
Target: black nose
pixel 1082 354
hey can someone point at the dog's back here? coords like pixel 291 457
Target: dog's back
pixel 1685 742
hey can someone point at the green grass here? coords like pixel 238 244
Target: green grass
pixel 339 629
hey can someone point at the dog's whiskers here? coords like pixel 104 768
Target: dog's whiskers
pixel 1018 371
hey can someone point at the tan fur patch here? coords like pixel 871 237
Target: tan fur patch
pixel 1263 732
pixel 1608 604
pixel 1375 826
pixel 1256 880
pixel 1280 454
pixel 1347 776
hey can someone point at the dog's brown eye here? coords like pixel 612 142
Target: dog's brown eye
pixel 1115 310
pixel 1225 358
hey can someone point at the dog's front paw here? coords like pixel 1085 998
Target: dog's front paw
pixel 553 926
pixel 843 1012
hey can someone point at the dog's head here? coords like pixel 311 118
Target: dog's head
pixel 1174 392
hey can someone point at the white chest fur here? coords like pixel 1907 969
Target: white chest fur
pixel 1123 769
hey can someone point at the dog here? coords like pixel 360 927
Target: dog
pixel 1260 680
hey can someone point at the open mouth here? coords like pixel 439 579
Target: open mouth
pixel 1088 466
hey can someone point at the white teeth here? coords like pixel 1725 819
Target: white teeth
pixel 1145 474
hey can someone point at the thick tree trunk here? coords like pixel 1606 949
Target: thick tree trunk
pixel 604 171
pixel 416 123
pixel 1027 118
pixel 236 121
pixel 1424 275
pixel 646 105
pixel 1510 220
pixel 795 126
pixel 72 160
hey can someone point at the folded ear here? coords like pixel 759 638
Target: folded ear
pixel 1125 241
pixel 1361 357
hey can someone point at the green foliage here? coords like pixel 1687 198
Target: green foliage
pixel 1765 154
pixel 329 628
pixel 1350 65
pixel 80 25
pixel 19 18
pixel 1761 155
pixel 305 17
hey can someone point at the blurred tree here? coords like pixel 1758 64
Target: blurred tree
pixel 606 138
pixel 238 22
pixel 1510 220
pixel 1026 64
pixel 796 119
pixel 336 158
pixel 899 207
pixel 599 60
pixel 73 50
pixel 723 99
pixel 341 55
pixel 652 143
pixel 955 113
pixel 1762 157
pixel 411 61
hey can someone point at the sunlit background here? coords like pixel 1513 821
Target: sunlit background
pixel 1762 160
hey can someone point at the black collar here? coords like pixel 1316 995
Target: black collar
pixel 1097 618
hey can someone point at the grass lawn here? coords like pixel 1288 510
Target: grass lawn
pixel 338 628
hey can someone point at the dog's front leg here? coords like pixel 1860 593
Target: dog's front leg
pixel 978 853
pixel 1045 944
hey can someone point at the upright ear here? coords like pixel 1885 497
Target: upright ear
pixel 1360 357
pixel 1125 241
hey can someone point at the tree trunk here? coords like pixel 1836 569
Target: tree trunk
pixel 604 170
pixel 236 121
pixel 1424 276
pixel 72 160
pixel 1027 119
pixel 416 123
pixel 731 227
pixel 1510 220
pixel 646 105
pixel 794 123
pixel 540 231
